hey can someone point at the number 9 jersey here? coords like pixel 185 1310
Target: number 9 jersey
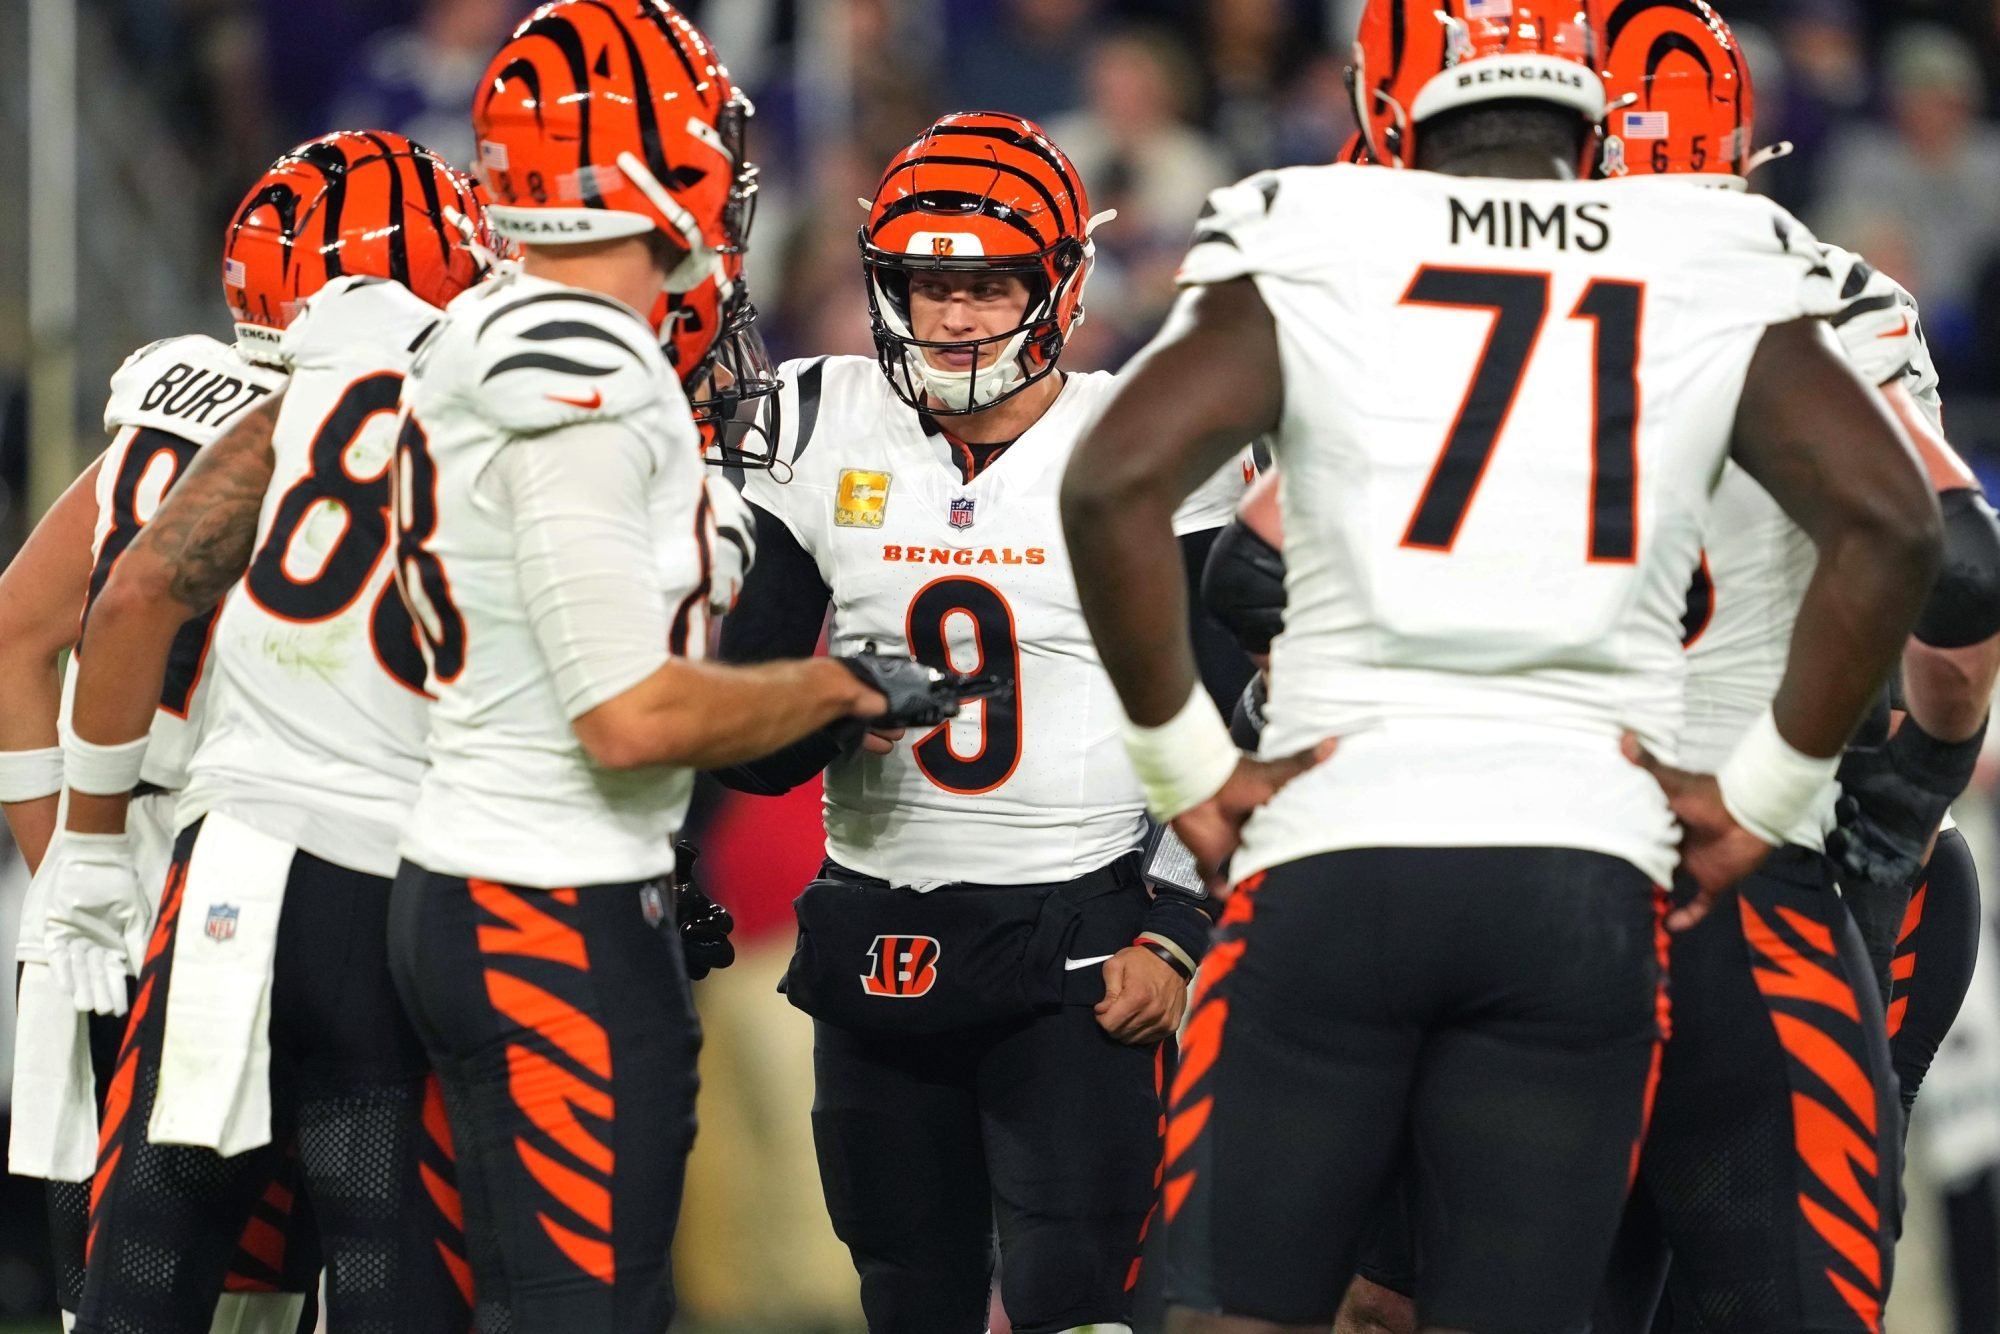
pixel 1506 405
pixel 972 575
pixel 315 735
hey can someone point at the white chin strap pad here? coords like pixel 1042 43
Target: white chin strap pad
pixel 988 383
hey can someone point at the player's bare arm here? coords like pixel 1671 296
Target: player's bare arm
pixel 40 591
pixel 1829 452
pixel 708 715
pixel 195 548
pixel 1207 384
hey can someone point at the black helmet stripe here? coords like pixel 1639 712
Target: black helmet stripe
pixel 1669 42
pixel 1001 168
pixel 285 201
pixel 1027 143
pixel 564 35
pixel 653 15
pixel 331 163
pixel 970 203
pixel 647 114
pixel 399 236
pixel 525 71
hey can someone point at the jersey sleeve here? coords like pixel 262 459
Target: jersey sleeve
pixel 1881 330
pixel 1775 270
pixel 778 491
pixel 556 359
pixel 192 387
pixel 1231 232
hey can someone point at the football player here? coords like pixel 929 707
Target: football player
pixel 266 1022
pixel 555 543
pixel 1782 1215
pixel 1484 610
pixel 994 987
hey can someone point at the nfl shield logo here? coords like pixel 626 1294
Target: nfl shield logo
pixel 221 921
pixel 961 512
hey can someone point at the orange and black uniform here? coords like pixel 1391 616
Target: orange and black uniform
pixel 1771 1171
pixel 564 1036
pixel 1935 951
pixel 353 1116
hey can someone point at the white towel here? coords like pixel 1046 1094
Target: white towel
pixel 54 1135
pixel 215 1059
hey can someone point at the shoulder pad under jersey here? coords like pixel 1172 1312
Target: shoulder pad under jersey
pixel 544 357
pixel 356 317
pixel 191 386
pixel 1749 247
pixel 1880 327
pixel 1232 234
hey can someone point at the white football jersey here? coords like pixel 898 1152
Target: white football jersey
pixel 1506 405
pixel 972 575
pixel 511 794
pixel 316 732
pixel 168 400
pixel 1214 502
pixel 1756 563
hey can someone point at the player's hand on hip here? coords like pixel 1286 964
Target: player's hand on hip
pixel 1144 997
pixel 1716 852
pixel 95 906
pixel 1212 829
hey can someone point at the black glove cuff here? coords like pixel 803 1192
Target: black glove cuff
pixel 1941 767
pixel 1180 919
pixel 1246 721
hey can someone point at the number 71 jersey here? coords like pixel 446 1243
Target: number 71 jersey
pixel 1506 406
pixel 316 731
pixel 973 575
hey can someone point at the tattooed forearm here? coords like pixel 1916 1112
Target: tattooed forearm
pixel 202 536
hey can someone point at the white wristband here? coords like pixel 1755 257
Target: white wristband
pixel 1768 785
pixel 29 775
pixel 1185 760
pixel 101 771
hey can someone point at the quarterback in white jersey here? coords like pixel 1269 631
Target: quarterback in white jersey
pixel 982 892
pixel 555 543
pixel 270 1028
pixel 1445 935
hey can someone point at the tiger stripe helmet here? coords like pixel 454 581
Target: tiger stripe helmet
pixel 1679 90
pixel 715 347
pixel 980 192
pixel 1414 59
pixel 365 202
pixel 599 120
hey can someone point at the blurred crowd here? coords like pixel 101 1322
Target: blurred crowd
pixel 1890 107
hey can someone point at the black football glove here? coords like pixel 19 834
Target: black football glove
pixel 705 924
pixel 918 696
pixel 1893 797
pixel 1246 723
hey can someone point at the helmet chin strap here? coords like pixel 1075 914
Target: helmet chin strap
pixel 701 262
pixel 986 384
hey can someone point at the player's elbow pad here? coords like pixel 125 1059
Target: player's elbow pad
pixel 1243 586
pixel 782 770
pixel 1964 604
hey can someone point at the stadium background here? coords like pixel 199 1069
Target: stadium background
pixel 131 127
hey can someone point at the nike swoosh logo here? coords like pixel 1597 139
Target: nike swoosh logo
pixel 1897 333
pixel 1071 965
pixel 591 404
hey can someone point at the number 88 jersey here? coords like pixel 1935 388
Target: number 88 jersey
pixel 316 731
pixel 968 574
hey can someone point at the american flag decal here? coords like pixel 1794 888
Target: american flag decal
pixel 961 512
pixel 1488 9
pixel 1645 125
pixel 234 273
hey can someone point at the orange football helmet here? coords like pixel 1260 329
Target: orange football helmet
pixel 978 192
pixel 598 121
pixel 715 347
pixel 1679 90
pixel 352 202
pixel 1415 58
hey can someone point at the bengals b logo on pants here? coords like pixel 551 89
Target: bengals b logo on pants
pixel 901 966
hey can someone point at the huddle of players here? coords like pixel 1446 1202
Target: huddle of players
pixel 447 851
